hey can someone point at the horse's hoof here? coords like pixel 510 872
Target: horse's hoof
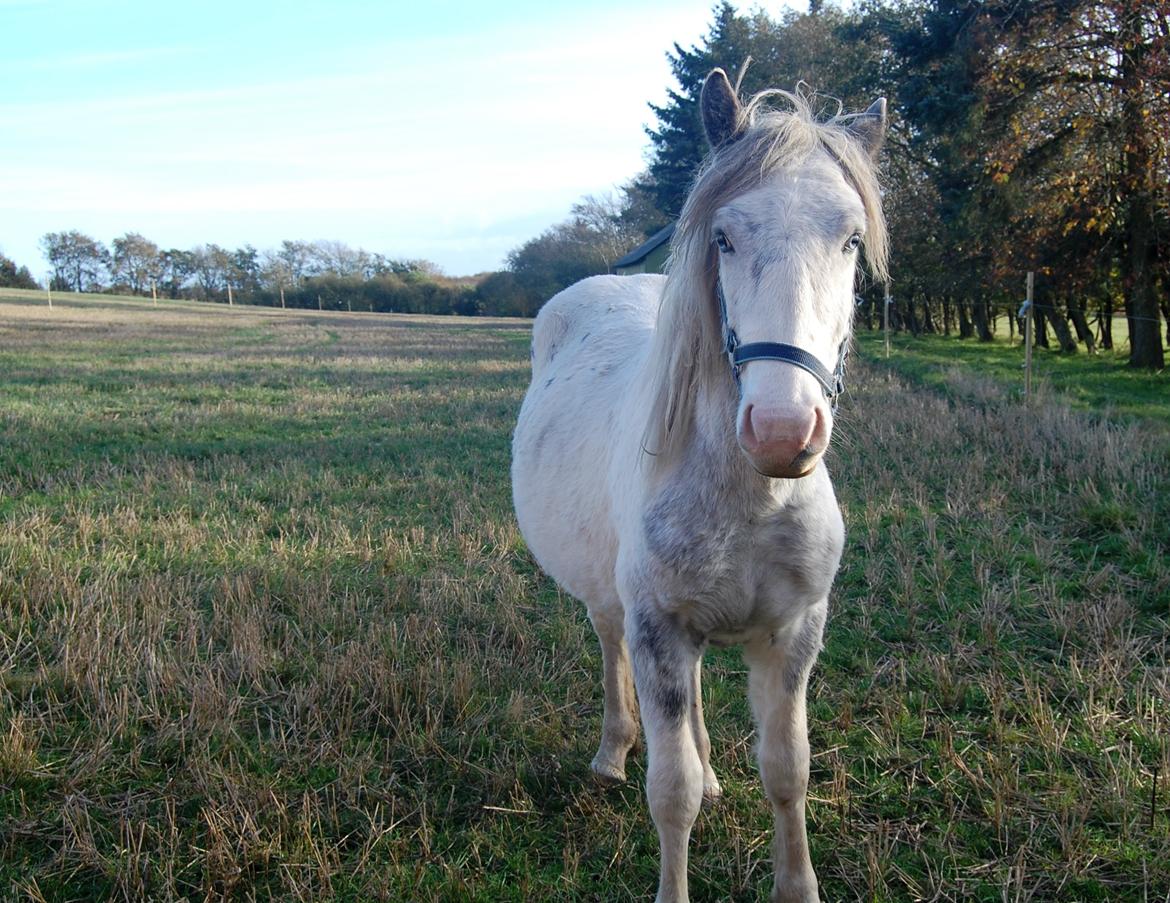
pixel 607 775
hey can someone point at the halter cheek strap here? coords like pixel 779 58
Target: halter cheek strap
pixel 832 384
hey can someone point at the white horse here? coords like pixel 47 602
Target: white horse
pixel 670 475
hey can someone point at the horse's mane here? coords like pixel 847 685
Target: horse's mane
pixel 687 343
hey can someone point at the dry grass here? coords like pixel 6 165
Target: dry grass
pixel 268 631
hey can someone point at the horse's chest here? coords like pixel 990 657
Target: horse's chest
pixel 734 575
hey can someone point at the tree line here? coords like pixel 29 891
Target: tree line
pixel 331 275
pixel 327 275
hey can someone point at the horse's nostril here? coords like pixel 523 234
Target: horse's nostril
pixel 804 459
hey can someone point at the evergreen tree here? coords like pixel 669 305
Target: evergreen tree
pixel 812 52
pixel 12 276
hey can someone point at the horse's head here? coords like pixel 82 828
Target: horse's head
pixel 785 228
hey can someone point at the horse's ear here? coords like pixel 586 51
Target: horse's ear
pixel 721 109
pixel 870 127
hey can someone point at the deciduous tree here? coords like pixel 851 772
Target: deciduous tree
pixel 135 262
pixel 79 262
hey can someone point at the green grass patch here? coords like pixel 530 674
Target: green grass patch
pixel 268 629
pixel 1100 382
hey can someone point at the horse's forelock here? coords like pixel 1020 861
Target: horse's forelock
pixel 688 335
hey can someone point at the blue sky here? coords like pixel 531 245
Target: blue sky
pixel 447 130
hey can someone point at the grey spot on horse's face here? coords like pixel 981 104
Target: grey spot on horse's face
pixel 757 272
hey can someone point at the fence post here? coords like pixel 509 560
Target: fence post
pixel 886 319
pixel 1028 340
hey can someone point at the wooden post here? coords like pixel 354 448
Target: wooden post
pixel 886 319
pixel 1028 339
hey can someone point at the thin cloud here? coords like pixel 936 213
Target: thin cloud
pixel 102 59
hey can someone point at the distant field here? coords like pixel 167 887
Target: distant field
pixel 268 631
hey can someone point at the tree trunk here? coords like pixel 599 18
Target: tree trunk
pixel 1106 323
pixel 927 319
pixel 946 316
pixel 1145 327
pixel 1076 313
pixel 1059 326
pixel 912 317
pixel 966 330
pixel 1137 261
pixel 1039 331
pixel 979 312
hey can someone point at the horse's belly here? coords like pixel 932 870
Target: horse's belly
pixel 588 344
pixel 560 459
pixel 566 528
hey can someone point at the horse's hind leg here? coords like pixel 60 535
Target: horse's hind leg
pixel 711 789
pixel 619 724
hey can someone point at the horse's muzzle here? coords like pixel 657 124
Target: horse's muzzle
pixel 783 441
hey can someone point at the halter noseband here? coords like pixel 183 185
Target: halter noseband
pixel 832 384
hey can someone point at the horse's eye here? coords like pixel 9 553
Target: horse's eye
pixel 722 242
pixel 853 243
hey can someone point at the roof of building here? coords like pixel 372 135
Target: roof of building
pixel 644 250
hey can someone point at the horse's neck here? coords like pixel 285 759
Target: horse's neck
pixel 714 455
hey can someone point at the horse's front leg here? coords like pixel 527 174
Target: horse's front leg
pixel 776 685
pixel 664 659
pixel 711 789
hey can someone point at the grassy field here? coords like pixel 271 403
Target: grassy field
pixel 1099 382
pixel 268 631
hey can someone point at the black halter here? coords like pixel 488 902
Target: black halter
pixel 832 384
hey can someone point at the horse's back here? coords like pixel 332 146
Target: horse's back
pixel 616 310
pixel 588 346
